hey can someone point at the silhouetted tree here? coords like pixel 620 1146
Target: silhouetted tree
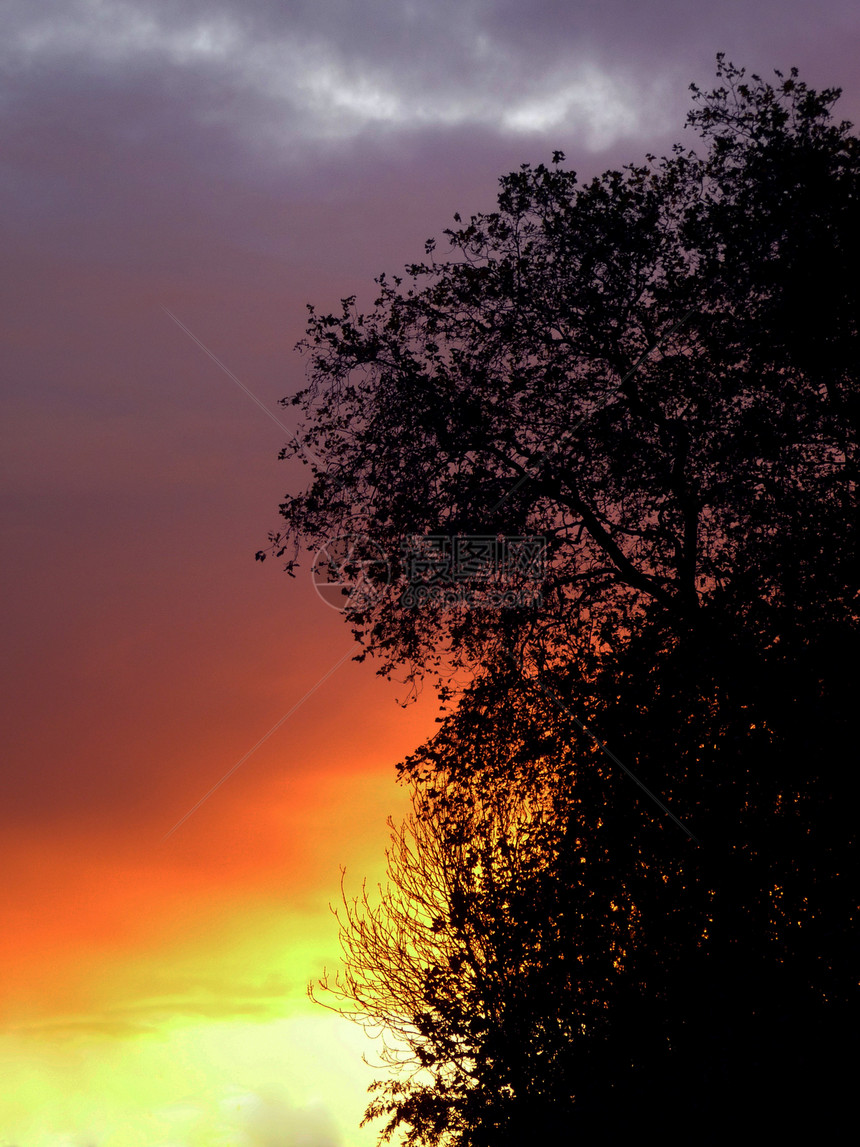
pixel 492 959
pixel 656 372
pixel 550 960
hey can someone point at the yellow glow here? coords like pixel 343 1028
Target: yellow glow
pixel 296 1080
pixel 166 1009
pixel 210 1043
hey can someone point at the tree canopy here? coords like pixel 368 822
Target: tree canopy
pixel 546 961
pixel 654 374
pixel 654 371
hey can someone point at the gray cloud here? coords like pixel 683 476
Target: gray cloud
pixel 330 71
pixel 234 88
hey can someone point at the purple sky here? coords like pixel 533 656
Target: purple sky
pixel 232 162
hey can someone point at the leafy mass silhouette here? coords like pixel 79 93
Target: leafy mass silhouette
pixel 655 372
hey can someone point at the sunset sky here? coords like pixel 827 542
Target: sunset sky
pixel 231 162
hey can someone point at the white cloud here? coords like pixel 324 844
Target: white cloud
pixel 117 32
pixel 297 77
pixel 604 108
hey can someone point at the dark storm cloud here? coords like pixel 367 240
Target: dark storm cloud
pixel 152 91
pixel 282 72
pixel 291 73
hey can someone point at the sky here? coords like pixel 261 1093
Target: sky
pixel 229 163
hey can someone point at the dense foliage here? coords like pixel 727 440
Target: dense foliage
pixel 655 372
